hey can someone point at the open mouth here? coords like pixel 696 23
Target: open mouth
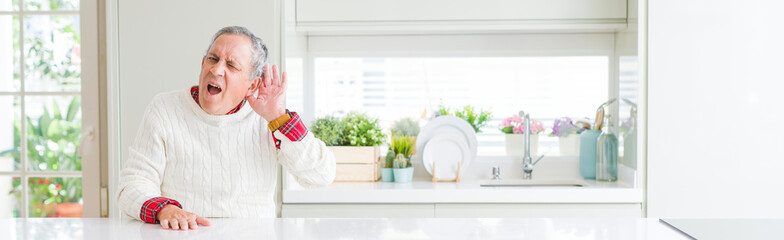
pixel 213 89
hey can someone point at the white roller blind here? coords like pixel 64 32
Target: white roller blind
pixel 393 77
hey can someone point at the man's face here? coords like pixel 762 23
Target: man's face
pixel 225 72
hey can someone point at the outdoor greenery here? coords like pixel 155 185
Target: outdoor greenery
pixel 42 62
pixel 52 61
pixel 53 4
pixel 52 141
pixel 476 119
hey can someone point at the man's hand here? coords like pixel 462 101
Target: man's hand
pixel 272 93
pixel 175 218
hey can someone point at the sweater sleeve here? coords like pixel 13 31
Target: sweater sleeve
pixel 142 173
pixel 304 156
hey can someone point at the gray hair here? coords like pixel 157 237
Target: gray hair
pixel 259 55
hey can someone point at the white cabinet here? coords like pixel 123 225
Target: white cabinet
pixel 547 210
pixel 449 10
pixel 470 210
pixel 458 15
pixel 705 62
pixel 357 210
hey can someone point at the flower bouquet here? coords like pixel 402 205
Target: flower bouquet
pixel 515 139
pixel 568 136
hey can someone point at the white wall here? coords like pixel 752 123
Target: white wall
pixel 716 139
pixel 160 45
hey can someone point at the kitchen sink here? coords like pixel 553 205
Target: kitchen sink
pixel 534 183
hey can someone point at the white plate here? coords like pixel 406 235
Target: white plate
pixel 446 124
pixel 446 150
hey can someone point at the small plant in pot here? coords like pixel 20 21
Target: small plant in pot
pixel 359 129
pixel 387 175
pixel 403 127
pixel 568 134
pixel 329 130
pixel 403 147
pixel 514 141
pixel 354 140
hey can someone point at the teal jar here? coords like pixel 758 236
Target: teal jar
pixel 588 153
pixel 607 153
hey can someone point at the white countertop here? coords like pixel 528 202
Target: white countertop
pixel 300 229
pixel 729 229
pixel 424 191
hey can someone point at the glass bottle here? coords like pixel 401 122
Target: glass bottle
pixel 607 152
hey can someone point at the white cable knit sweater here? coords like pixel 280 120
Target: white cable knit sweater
pixel 215 166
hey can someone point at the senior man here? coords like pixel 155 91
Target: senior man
pixel 212 150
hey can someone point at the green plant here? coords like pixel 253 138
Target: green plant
pixel 443 111
pixel 390 159
pixel 401 162
pixel 52 141
pixel 403 147
pixel 361 130
pixel 45 64
pixel 405 127
pixel 476 119
pixel 328 129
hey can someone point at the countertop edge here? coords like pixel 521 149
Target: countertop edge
pixel 540 195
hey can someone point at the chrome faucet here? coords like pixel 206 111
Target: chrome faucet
pixel 528 165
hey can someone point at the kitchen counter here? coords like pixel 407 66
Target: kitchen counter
pixel 422 190
pixel 314 228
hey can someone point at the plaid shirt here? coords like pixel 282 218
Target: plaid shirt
pixel 293 129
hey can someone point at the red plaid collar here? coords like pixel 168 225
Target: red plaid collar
pixel 195 95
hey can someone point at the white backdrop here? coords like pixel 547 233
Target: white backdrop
pixel 160 45
pixel 716 142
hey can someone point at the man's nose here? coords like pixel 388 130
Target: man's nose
pixel 218 69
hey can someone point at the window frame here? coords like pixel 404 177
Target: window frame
pixel 89 92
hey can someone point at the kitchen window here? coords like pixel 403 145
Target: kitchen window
pixel 392 77
pixel 48 88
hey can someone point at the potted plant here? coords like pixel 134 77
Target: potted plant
pixel 403 147
pixel 387 174
pixel 477 119
pixel 355 141
pixel 329 130
pixel 515 139
pixel 405 127
pixel 402 127
pixel 568 136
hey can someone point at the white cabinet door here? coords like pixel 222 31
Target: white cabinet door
pixel 706 62
pixel 357 210
pixel 448 210
pixel 457 10
pixel 318 17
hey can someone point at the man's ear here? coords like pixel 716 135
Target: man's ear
pixel 202 60
pixel 254 86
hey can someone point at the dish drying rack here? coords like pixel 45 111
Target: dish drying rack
pixel 457 179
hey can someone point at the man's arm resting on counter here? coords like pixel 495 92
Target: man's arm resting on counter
pixel 152 207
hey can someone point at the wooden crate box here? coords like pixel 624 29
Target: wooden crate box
pixel 357 164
